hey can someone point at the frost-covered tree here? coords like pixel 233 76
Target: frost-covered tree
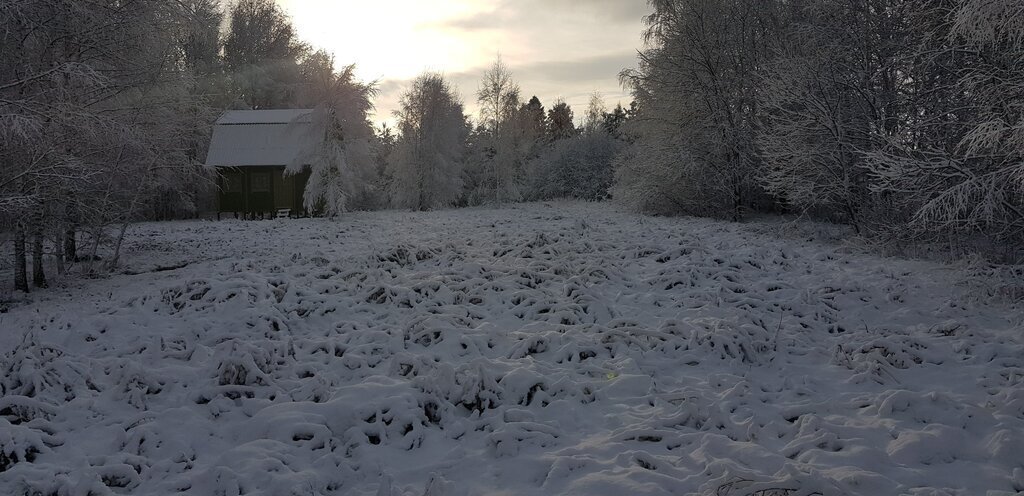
pixel 559 121
pixel 199 35
pixel 533 140
pixel 262 53
pixel 477 177
pixel 596 110
pixel 959 167
pixel 612 121
pixel 580 165
pixel 384 145
pixel 828 98
pixel 96 111
pixel 810 152
pixel 342 166
pixel 498 97
pixel 696 90
pixel 426 164
pixel 899 117
pixel 532 120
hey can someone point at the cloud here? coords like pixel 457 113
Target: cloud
pixel 598 68
pixel 548 12
pixel 528 31
pixel 555 48
pixel 614 11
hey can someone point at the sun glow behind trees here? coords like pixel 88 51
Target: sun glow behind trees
pixel 558 49
pixel 413 37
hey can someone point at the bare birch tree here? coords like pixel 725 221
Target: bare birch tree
pixel 499 100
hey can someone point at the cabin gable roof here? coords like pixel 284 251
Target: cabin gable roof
pixel 265 138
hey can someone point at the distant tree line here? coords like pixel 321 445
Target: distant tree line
pixel 516 150
pixel 901 118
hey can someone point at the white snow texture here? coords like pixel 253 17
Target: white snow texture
pixel 536 349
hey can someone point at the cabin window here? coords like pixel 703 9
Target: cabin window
pixel 259 182
pixel 233 182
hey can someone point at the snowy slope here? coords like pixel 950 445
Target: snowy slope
pixel 539 349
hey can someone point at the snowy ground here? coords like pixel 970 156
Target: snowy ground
pixel 536 350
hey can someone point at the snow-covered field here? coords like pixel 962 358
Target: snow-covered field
pixel 538 349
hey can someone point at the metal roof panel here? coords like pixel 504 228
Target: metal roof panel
pixel 236 144
pixel 279 116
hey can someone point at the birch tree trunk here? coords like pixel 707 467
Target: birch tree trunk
pixel 70 245
pixel 129 216
pixel 58 254
pixel 38 272
pixel 20 265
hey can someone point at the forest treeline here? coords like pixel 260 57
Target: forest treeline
pixel 900 118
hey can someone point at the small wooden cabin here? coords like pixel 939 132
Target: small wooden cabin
pixel 250 150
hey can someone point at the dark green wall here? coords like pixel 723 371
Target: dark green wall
pixel 243 190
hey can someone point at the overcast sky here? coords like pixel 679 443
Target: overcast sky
pixel 555 48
